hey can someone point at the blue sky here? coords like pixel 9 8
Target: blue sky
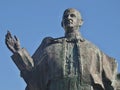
pixel 32 20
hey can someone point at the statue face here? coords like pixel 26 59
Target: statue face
pixel 71 19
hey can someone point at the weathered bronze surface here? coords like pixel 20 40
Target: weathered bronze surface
pixel 66 63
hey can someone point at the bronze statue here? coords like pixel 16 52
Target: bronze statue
pixel 66 63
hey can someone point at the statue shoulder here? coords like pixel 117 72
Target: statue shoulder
pixel 47 40
pixel 89 44
pixel 51 40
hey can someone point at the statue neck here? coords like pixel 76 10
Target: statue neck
pixel 73 35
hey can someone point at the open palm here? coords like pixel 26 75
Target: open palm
pixel 12 43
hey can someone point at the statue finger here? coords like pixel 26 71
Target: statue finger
pixel 17 41
pixel 8 35
pixel 7 40
pixel 16 38
pixel 8 44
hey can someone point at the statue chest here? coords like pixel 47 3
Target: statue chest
pixel 64 59
pixel 69 60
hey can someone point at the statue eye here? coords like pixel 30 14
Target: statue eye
pixel 72 15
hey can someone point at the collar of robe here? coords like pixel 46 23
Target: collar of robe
pixel 74 37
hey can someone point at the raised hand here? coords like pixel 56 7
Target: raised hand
pixel 12 43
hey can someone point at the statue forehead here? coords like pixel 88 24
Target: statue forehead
pixel 72 10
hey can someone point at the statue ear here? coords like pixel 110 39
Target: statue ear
pixel 80 22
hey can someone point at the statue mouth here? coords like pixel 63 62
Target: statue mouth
pixel 69 21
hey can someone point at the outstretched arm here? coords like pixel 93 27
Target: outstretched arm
pixel 20 56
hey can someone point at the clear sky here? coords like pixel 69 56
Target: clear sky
pixel 32 20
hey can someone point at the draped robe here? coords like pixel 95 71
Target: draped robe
pixel 63 64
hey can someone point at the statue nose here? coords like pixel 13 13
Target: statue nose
pixel 69 17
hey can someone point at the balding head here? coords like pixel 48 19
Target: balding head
pixel 71 19
pixel 72 10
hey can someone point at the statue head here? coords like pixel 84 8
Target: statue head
pixel 71 20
